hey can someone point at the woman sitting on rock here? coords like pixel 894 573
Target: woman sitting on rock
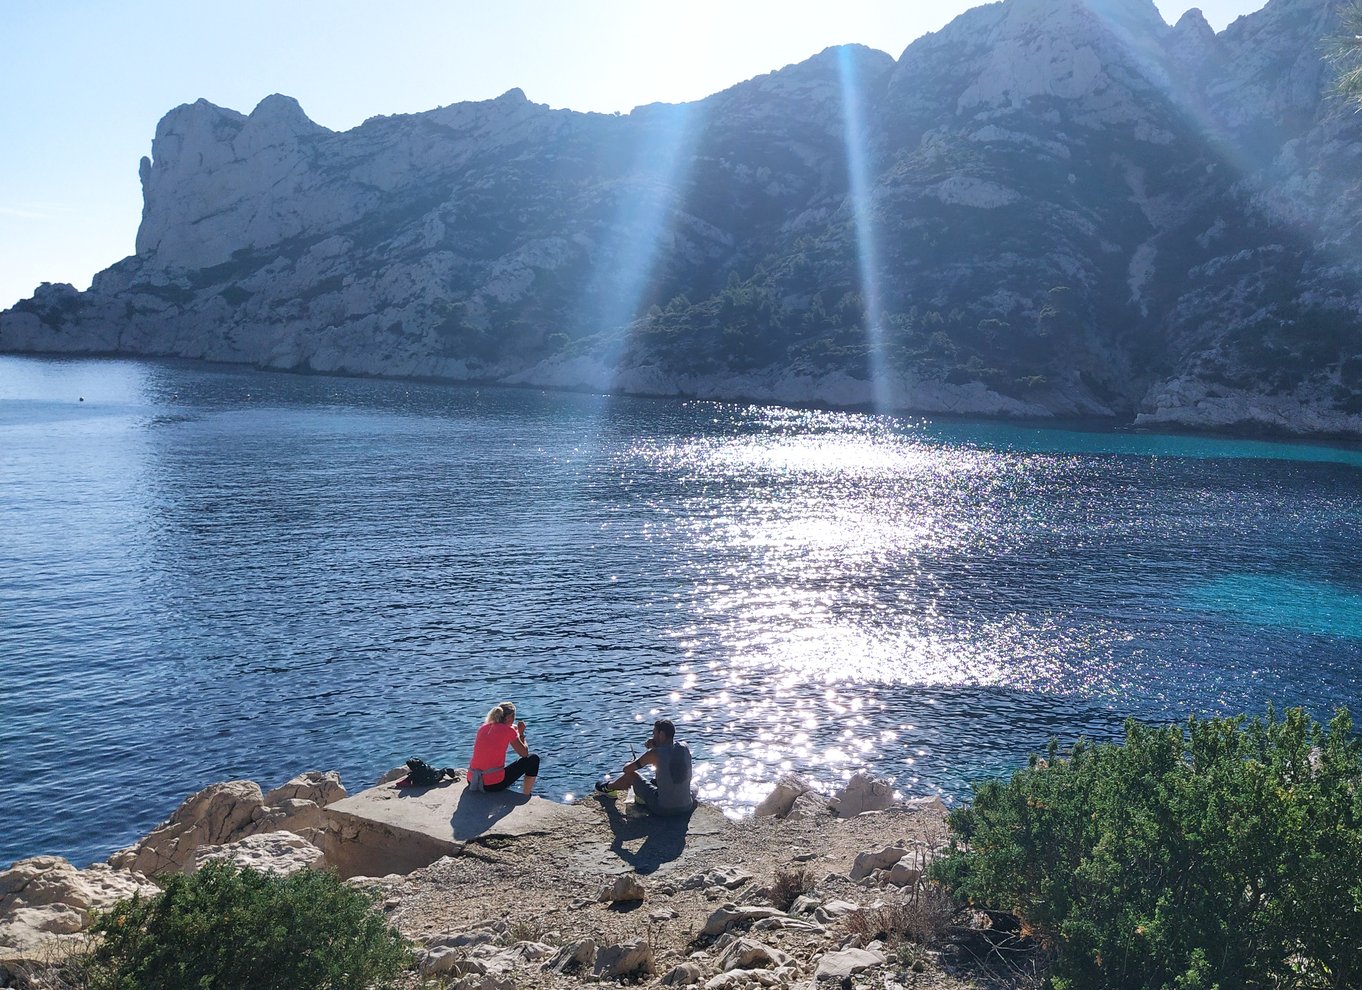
pixel 487 770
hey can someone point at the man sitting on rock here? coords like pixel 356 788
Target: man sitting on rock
pixel 668 793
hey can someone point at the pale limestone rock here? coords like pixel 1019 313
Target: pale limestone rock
pixel 226 813
pixel 903 875
pixel 624 888
pixel 933 804
pixel 732 915
pixel 789 925
pixel 615 962
pixel 215 816
pixel 746 953
pixel 830 911
pixel 685 975
pixel 964 190
pixel 727 877
pixel 268 852
pixel 523 953
pixel 485 935
pixel 45 897
pixel 868 862
pixel 809 805
pixel 488 981
pixel 724 877
pixel 734 979
pixel 861 794
pixel 573 958
pixel 447 961
pixel 321 788
pixel 847 962
pixel 781 800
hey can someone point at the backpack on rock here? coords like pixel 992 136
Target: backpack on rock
pixel 421 774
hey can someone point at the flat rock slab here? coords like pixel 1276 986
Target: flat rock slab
pixel 449 812
pixel 625 839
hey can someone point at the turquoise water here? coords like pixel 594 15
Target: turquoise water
pixel 214 573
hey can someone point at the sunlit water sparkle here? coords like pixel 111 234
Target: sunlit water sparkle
pixel 209 573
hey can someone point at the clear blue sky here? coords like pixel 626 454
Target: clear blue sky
pixel 84 81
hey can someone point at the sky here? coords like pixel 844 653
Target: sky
pixel 84 82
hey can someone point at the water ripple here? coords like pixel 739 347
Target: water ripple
pixel 208 574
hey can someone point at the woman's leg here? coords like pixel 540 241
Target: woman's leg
pixel 526 766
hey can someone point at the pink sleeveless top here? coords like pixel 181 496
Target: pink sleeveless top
pixel 489 750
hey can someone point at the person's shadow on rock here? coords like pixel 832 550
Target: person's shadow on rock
pixel 664 836
pixel 477 811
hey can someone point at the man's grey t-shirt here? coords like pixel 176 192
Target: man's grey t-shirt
pixel 672 780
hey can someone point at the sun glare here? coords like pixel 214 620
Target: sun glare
pixel 859 180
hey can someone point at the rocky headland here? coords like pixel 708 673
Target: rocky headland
pixel 1048 208
pixel 498 891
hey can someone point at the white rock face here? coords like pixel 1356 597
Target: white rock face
pixel 868 862
pixel 623 888
pixel 730 915
pixel 746 953
pixel 780 802
pixel 45 897
pixel 1195 403
pixel 848 962
pixel 269 852
pixel 226 813
pixel 629 959
pixel 321 788
pixel 217 815
pixel 450 245
pixel 963 190
pixel 863 793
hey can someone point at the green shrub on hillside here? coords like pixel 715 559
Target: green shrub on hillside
pixel 1224 854
pixel 226 928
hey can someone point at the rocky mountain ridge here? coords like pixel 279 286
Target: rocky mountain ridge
pixel 1047 208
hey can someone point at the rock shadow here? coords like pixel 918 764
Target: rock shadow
pixel 478 811
pixel 664 836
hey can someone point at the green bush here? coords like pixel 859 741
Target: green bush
pixel 226 928
pixel 1224 854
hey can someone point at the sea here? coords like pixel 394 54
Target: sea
pixel 210 573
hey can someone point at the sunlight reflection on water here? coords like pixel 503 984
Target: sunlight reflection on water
pixel 212 573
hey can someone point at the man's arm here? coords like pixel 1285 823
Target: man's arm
pixel 648 759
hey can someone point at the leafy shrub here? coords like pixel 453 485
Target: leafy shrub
pixel 1226 854
pixel 224 928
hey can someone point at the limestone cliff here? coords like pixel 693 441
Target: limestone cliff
pixel 1050 207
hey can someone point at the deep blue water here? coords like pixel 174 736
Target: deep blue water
pixel 208 574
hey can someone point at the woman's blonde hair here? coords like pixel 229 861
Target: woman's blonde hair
pixel 504 712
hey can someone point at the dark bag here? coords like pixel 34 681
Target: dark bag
pixel 422 774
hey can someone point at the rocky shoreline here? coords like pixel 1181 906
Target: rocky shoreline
pixel 812 889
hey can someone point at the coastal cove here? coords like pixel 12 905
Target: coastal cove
pixel 210 573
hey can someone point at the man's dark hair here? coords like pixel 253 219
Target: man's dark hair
pixel 664 728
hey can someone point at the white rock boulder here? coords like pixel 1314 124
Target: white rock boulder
pixel 270 852
pixel 623 889
pixel 629 959
pixel 837 966
pixel 780 802
pixel 868 862
pixel 861 794
pixel 44 898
